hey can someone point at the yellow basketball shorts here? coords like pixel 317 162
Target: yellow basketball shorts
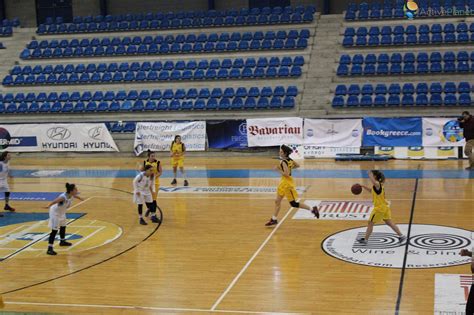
pixel 289 192
pixel 177 162
pixel 380 215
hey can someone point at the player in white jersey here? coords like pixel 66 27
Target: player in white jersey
pixel 5 157
pixel 57 216
pixel 142 192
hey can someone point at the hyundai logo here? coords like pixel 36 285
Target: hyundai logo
pixel 58 133
pixel 95 133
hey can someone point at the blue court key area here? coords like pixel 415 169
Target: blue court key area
pixel 21 217
pixel 242 173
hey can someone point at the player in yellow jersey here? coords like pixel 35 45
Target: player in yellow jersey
pixel 381 211
pixel 177 159
pixel 155 178
pixel 287 187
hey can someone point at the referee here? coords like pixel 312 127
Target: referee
pixel 470 299
pixel 466 122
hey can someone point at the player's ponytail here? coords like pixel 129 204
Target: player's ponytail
pixel 286 150
pixel 70 187
pixel 379 176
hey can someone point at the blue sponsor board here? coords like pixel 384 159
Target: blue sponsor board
pixel 392 132
pixel 32 196
pixel 6 140
pixel 227 134
pixel 21 217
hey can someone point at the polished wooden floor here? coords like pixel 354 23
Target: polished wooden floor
pixel 213 254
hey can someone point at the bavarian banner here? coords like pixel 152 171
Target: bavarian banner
pixel 442 132
pixel 157 136
pixel 274 131
pixel 93 137
pixel 335 133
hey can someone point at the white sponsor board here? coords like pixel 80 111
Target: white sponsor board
pixel 417 153
pixel 336 210
pixel 274 131
pixel 225 190
pixel 315 152
pixel 429 246
pixel 334 133
pixel 442 132
pixel 451 292
pixel 157 136
pixel 93 137
pixel 47 173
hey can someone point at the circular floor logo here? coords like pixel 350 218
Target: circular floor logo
pixel 429 246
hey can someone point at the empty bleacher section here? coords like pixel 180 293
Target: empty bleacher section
pixel 400 35
pixel 146 100
pixel 405 67
pixel 181 70
pixel 189 19
pixel 434 94
pixel 160 72
pixel 414 67
pixel 377 10
pixel 169 44
pixel 436 62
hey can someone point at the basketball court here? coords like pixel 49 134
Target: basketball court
pixel 212 252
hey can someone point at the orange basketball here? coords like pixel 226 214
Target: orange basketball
pixel 356 189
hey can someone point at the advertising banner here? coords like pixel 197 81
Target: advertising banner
pixel 336 133
pixel 157 136
pixel 274 131
pixel 451 293
pixel 436 153
pixel 94 137
pixel 392 132
pixel 315 152
pixel 444 132
pixel 227 134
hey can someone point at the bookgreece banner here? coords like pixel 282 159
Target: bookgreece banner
pixel 157 136
pixel 335 133
pixel 442 132
pixel 274 131
pixel 56 138
pixel 394 132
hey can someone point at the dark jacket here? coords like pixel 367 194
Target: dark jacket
pixel 468 127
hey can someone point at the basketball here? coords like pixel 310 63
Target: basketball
pixel 356 189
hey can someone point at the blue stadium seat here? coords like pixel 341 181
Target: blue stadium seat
pixel 338 101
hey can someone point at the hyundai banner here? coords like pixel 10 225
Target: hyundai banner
pixel 56 138
pixel 392 132
pixel 227 134
pixel 157 136
pixel 274 131
pixel 335 133
pixel 442 132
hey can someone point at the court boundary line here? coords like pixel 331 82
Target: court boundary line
pixel 136 307
pixel 249 262
pixel 405 256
